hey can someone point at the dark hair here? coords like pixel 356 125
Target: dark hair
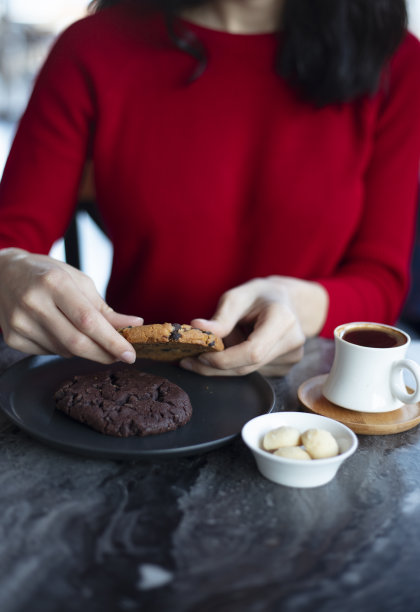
pixel 332 51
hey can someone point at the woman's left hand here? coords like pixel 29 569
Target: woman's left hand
pixel 264 324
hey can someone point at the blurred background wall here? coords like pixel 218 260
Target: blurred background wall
pixel 27 30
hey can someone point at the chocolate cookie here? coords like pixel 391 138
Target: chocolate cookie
pixel 124 402
pixel 170 341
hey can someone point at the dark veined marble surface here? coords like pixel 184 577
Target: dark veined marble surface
pixel 208 533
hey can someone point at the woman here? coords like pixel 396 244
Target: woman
pixel 255 163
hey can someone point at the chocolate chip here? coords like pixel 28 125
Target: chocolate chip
pixel 175 335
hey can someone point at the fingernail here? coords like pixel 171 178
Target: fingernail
pixel 201 320
pixel 204 360
pixel 128 357
pixel 186 363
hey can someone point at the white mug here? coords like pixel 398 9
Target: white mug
pixel 368 367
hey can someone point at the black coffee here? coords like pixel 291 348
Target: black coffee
pixel 374 337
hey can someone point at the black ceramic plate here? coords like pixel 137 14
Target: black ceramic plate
pixel 221 406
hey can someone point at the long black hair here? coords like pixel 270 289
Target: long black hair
pixel 332 51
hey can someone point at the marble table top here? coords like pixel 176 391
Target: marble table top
pixel 208 533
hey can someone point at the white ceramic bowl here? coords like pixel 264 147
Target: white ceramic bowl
pixel 292 472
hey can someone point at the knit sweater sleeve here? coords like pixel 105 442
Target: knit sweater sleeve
pixel 372 282
pixel 38 191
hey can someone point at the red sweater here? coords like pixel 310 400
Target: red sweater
pixel 203 186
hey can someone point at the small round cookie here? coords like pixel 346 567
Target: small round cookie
pixel 280 437
pixel 124 402
pixel 293 452
pixel 170 341
pixel 320 444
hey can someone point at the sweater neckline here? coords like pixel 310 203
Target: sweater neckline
pixel 233 39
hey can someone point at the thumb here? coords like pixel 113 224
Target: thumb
pixel 228 313
pixel 211 325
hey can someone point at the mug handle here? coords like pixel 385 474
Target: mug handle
pixel 398 387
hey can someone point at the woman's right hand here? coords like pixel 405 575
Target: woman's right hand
pixel 47 306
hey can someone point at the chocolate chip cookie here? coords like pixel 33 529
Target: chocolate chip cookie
pixel 170 341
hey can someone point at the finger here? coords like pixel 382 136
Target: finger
pixel 118 320
pixel 230 362
pixel 24 332
pixel 239 359
pixel 36 341
pixel 30 335
pixel 72 342
pixel 211 325
pixel 274 367
pixel 234 337
pixel 83 330
pixel 194 365
pixel 232 307
pixel 20 343
pixel 88 334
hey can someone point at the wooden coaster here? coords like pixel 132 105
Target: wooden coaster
pixel 380 423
